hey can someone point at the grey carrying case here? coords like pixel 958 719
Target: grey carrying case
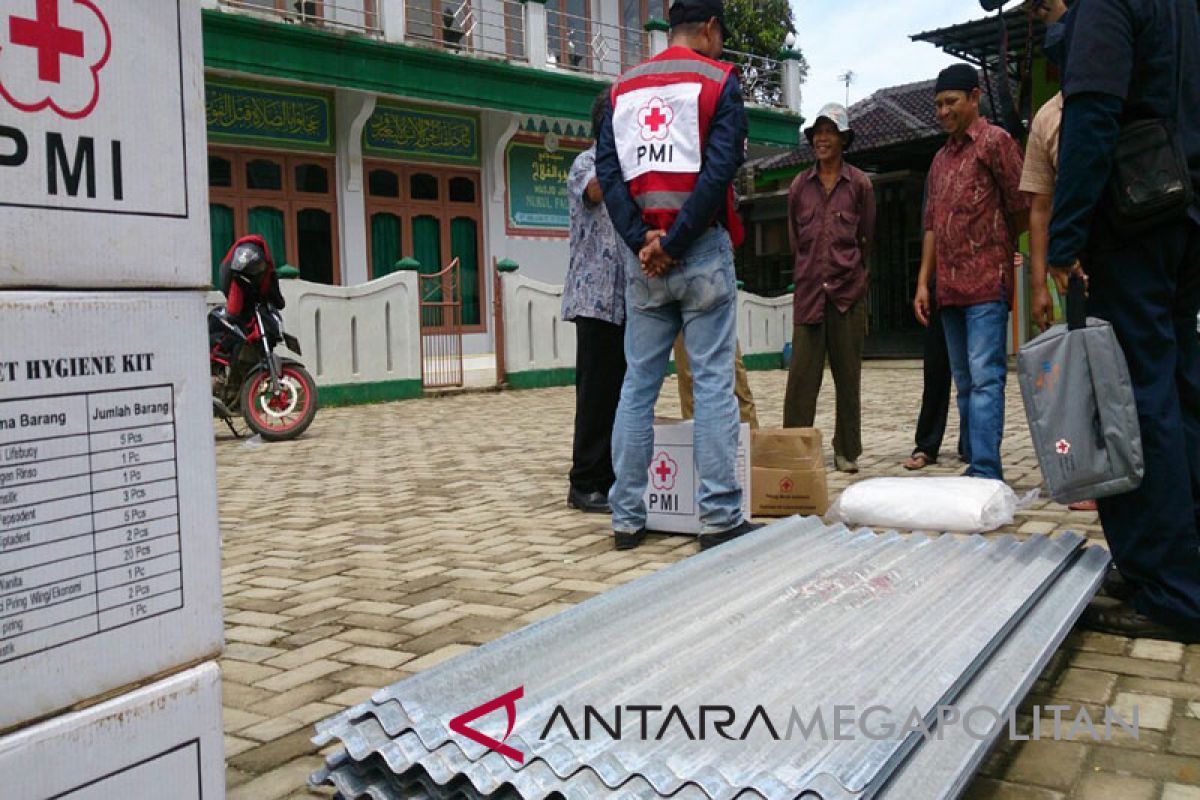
pixel 1080 406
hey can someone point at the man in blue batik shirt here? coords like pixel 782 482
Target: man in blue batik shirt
pixel 594 299
pixel 1128 60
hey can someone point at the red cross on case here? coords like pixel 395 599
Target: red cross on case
pixel 51 40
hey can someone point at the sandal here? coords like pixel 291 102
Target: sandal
pixel 918 460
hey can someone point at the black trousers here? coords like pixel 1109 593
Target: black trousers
pixel 599 373
pixel 935 397
pixel 1148 287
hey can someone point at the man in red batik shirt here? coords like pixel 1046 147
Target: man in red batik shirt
pixel 974 213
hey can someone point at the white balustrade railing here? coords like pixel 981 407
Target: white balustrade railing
pixel 587 45
pixel 359 16
pixel 762 78
pixel 490 28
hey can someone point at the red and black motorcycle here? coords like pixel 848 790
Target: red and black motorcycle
pixel 274 394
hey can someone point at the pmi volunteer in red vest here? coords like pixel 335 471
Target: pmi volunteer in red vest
pixel 666 156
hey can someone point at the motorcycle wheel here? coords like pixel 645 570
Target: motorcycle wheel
pixel 285 415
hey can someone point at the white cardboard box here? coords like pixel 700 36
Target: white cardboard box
pixel 109 543
pixel 103 173
pixel 161 741
pixel 672 481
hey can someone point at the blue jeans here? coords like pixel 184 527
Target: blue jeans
pixel 698 295
pixel 976 341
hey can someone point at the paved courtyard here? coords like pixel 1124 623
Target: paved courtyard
pixel 392 537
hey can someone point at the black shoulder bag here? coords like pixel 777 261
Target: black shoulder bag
pixel 1151 183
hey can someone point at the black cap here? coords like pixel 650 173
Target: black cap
pixel 698 11
pixel 957 77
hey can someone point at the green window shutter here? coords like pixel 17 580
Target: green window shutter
pixel 220 226
pixel 385 244
pixel 268 223
pixel 464 245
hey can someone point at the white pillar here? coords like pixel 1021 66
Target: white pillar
pixel 352 110
pixel 658 30
pixel 792 78
pixel 391 13
pixel 535 32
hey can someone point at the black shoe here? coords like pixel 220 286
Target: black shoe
pixel 1116 586
pixel 708 540
pixel 588 502
pixel 1106 615
pixel 628 541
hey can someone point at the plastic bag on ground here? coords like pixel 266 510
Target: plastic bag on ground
pixel 958 504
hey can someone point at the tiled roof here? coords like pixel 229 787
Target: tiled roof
pixel 892 115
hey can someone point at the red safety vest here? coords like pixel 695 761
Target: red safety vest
pixel 662 110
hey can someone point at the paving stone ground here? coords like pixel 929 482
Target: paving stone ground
pixel 392 537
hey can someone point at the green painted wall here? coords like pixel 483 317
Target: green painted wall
pixel 254 47
pixel 347 394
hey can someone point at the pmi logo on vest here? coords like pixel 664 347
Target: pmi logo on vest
pixel 657 129
pixel 91 106
pixel 718 723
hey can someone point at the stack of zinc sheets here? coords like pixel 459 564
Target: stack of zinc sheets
pixel 801 661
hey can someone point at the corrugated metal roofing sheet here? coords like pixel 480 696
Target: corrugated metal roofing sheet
pixel 943 770
pixel 798 616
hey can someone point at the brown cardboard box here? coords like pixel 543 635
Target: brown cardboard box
pixel 787 448
pixel 783 492
pixel 787 473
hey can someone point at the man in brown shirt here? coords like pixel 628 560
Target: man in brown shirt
pixel 974 213
pixel 831 223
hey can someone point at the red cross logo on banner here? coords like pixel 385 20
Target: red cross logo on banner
pixel 663 470
pixel 1062 447
pixel 655 119
pixel 51 54
pixel 786 485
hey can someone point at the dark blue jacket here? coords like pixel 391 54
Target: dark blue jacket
pixel 724 152
pixel 1121 60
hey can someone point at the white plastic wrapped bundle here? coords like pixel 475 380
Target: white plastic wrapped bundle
pixel 959 504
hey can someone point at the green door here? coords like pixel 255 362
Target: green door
pixel 385 243
pixel 427 250
pixel 464 245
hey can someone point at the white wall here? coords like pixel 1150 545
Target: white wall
pixel 764 323
pixel 369 333
pixel 354 334
pixel 535 338
pixel 541 258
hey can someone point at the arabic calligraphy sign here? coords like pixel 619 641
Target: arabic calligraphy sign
pixel 537 185
pixel 249 115
pixel 399 132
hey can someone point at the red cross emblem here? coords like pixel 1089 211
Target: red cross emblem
pixel 655 119
pixel 786 485
pixel 51 54
pixel 1062 447
pixel 663 470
